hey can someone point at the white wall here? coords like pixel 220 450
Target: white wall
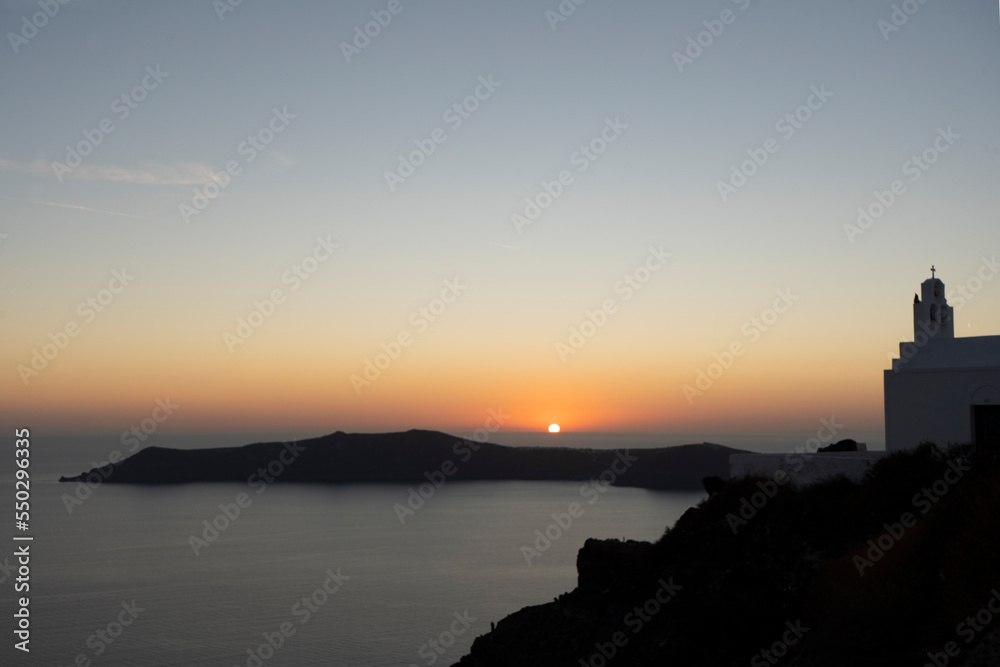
pixel 932 404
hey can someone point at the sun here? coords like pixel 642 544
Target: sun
pixel 553 428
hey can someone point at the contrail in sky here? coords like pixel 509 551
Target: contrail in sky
pixel 82 208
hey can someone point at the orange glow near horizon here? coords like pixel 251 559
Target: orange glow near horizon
pixel 612 387
pixel 283 381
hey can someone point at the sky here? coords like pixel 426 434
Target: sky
pixel 634 217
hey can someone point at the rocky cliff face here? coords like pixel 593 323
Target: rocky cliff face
pixel 885 572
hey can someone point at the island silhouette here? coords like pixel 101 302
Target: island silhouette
pixel 415 456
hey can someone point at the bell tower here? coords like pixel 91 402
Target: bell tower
pixel 932 315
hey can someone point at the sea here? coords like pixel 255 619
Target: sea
pixel 292 574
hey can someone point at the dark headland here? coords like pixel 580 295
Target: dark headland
pixel 415 456
pixel 900 569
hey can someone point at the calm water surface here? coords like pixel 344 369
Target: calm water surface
pixel 402 584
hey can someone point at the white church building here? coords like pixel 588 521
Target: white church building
pixel 942 389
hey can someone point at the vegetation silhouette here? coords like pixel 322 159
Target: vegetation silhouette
pixel 836 557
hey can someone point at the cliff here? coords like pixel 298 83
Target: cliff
pixel 899 569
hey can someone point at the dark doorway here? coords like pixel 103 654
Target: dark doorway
pixel 986 423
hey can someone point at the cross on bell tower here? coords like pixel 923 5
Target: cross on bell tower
pixel 932 316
